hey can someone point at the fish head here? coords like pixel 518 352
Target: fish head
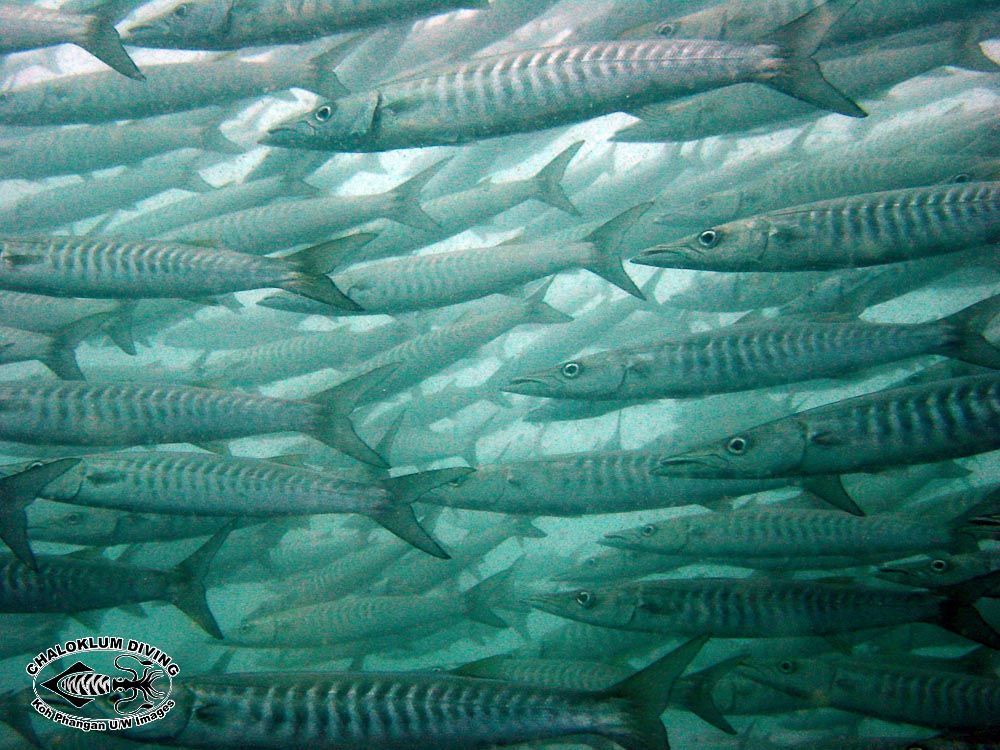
pixel 583 377
pixel 933 572
pixel 734 246
pixel 775 449
pixel 608 606
pixel 189 22
pixel 705 24
pixel 802 678
pixel 662 537
pixel 351 123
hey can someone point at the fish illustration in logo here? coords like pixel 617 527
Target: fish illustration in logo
pixel 79 685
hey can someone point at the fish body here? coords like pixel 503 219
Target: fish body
pixel 749 356
pixel 27 27
pixel 888 689
pixel 234 24
pixel 862 230
pixel 538 89
pixel 910 425
pixel 400 711
pixel 124 414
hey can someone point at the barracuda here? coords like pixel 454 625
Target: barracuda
pixel 124 414
pixel 909 425
pixel 887 689
pixel 539 89
pixel 861 230
pixel 748 356
pixel 400 711
pixel 67 584
pixel 761 607
pixel 232 24
pixel 25 27
pixel 108 268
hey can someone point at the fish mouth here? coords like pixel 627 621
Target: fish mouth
pixel 527 386
pixel 280 136
pixel 617 541
pixel 545 604
pixel 695 465
pixel 663 256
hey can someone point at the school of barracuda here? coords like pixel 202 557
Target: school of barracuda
pixel 484 373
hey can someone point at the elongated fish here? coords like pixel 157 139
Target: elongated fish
pixel 418 282
pixel 893 690
pixel 862 230
pixel 760 607
pixel 169 87
pixel 748 356
pixel 124 414
pixel 544 88
pixel 206 484
pixel 109 268
pixel 25 27
pixel 791 537
pixel 68 584
pixel 401 711
pixel 908 425
pixel 232 24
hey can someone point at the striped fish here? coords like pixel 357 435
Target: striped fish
pixel 537 89
pixel 763 607
pixel 206 484
pixel 110 268
pixel 744 357
pixel 910 425
pixel 127 414
pixel 68 584
pixel 911 693
pixel 227 24
pixel 862 230
pixel 789 537
pixel 402 711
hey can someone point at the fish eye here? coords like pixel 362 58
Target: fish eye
pixel 708 238
pixel 939 565
pixel 962 177
pixel 182 10
pixel 666 29
pixel 571 370
pixel 324 113
pixel 786 667
pixel 648 530
pixel 585 599
pixel 74 519
pixel 737 446
pixel 702 203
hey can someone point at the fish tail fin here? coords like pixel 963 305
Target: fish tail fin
pixel 398 516
pixel 646 695
pixel 119 327
pixel 334 426
pixel 323 66
pixel 607 240
pixel 548 181
pixel 970 323
pixel 17 492
pixel 479 598
pixel 406 208
pixel 312 265
pixel 970 54
pixel 61 357
pixel 694 693
pixel 537 310
pixel 959 615
pixel 189 595
pixel 801 76
pixel 102 41
pixel 212 139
